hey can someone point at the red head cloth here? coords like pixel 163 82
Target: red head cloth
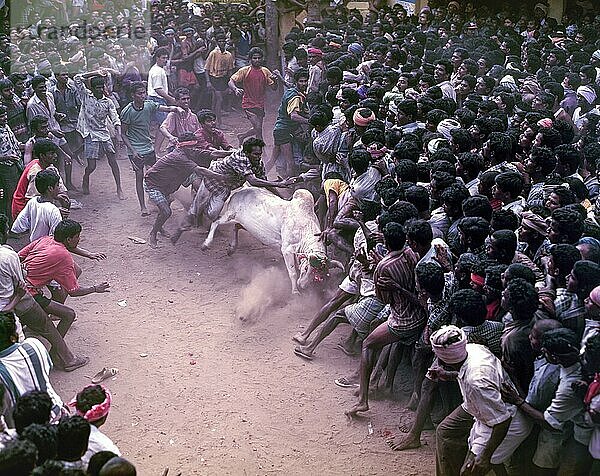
pixel 97 411
pixel 363 117
pixel 595 296
pixel 315 51
pixel 478 280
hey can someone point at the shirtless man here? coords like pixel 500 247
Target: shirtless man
pixel 243 165
pixel 169 173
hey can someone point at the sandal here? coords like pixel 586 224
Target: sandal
pixel 346 351
pixel 104 374
pixel 136 240
pixel 345 383
pixel 302 354
pixel 79 362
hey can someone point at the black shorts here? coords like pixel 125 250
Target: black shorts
pixel 146 160
pixel 42 300
pixel 74 140
pixel 282 136
pixel 220 84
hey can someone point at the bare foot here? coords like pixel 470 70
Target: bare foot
pixel 358 408
pixel 409 442
pixel 413 403
pixel 120 195
pixel 349 351
pixel 299 338
pixel 175 236
pixel 152 241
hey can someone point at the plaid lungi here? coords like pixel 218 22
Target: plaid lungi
pixel 362 313
pixel 156 196
pixel 94 149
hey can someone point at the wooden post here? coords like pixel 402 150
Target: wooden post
pixel 556 10
pixel 419 4
pixel 272 34
pixel 313 11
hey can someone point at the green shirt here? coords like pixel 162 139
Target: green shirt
pixel 138 126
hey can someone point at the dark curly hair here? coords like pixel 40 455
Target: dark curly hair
pixel 468 306
pixel 44 438
pixel 522 298
pixel 430 277
pixel 32 407
pixel 90 396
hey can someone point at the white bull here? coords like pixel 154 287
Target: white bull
pixel 292 226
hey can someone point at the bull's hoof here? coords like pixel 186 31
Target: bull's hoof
pixel 203 246
pixel 230 250
pixel 295 292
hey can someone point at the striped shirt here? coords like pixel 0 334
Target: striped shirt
pixel 393 276
pixel 25 367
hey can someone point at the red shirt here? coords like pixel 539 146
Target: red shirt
pixel 19 197
pixel 215 139
pixel 45 260
pixel 254 82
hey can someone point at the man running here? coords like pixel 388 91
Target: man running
pixel 96 110
pixel 254 80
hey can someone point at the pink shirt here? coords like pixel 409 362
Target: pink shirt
pixel 45 260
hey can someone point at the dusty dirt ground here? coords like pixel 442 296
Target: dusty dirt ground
pixel 214 395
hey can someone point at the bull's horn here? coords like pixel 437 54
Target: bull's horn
pixel 336 264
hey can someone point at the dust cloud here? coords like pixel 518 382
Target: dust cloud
pixel 268 287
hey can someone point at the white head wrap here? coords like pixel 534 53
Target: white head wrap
pixel 588 93
pixel 450 344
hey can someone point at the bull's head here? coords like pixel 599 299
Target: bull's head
pixel 313 268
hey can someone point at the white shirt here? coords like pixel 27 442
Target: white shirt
pixel 447 90
pixel 578 116
pixel 432 254
pixel 157 79
pixel 40 218
pixel 11 273
pixel 35 107
pixel 516 206
pixel 367 286
pixel 473 186
pixel 26 366
pixel 480 378
pixel 98 442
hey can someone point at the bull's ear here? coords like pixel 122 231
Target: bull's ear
pixel 333 263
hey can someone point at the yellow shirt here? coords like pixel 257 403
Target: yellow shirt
pixel 219 64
